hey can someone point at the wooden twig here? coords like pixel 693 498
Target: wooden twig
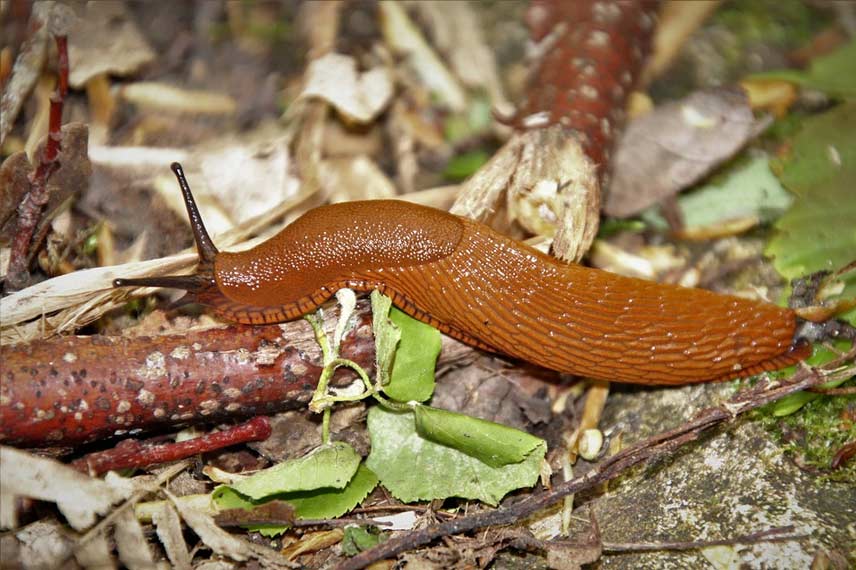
pixel 646 450
pixel 133 453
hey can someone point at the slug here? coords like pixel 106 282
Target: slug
pixel 489 291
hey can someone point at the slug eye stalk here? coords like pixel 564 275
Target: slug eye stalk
pixel 203 279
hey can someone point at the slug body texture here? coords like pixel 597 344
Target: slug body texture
pixel 490 291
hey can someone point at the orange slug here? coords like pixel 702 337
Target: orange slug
pixel 492 292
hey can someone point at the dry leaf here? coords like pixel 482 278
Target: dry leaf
pixel 168 528
pixel 313 542
pixel 95 553
pixel 80 498
pixel 458 33
pixel 676 145
pixel 27 69
pixel 105 40
pixel 220 541
pixel 357 178
pixel 44 544
pixel 678 20
pixel 154 96
pixel 134 551
pixel 404 38
pixel 359 97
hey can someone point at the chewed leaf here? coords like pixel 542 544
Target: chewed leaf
pixel 331 465
pixel 414 468
pixel 412 377
pixel 490 442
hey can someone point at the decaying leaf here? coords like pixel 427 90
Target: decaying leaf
pixel 95 553
pixel 80 498
pixel 355 178
pixel 43 544
pixel 154 96
pixel 168 528
pixel 105 40
pixel 676 145
pixel 224 543
pixel 134 551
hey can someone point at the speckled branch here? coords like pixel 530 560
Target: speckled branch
pixel 75 390
pixel 551 171
pixel 594 52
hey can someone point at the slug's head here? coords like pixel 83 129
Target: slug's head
pixel 200 286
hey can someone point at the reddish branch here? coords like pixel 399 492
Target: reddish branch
pixel 646 450
pixel 30 210
pixel 75 390
pixel 133 453
pixel 593 58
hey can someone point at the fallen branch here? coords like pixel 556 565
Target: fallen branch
pixel 75 390
pixel 646 450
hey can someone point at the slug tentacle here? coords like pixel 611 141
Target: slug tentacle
pixel 200 286
pixel 493 292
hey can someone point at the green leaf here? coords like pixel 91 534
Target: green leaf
pixel 331 503
pixel 821 151
pixel 490 442
pixel 414 468
pixel 747 189
pixel 412 377
pixel 359 538
pixel 475 120
pixel 386 336
pixel 818 232
pixel 834 74
pixel 465 165
pixel 331 465
pixel 324 503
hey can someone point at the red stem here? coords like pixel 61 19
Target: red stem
pixel 30 210
pixel 133 453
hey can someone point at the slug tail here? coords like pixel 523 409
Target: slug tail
pixel 799 351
